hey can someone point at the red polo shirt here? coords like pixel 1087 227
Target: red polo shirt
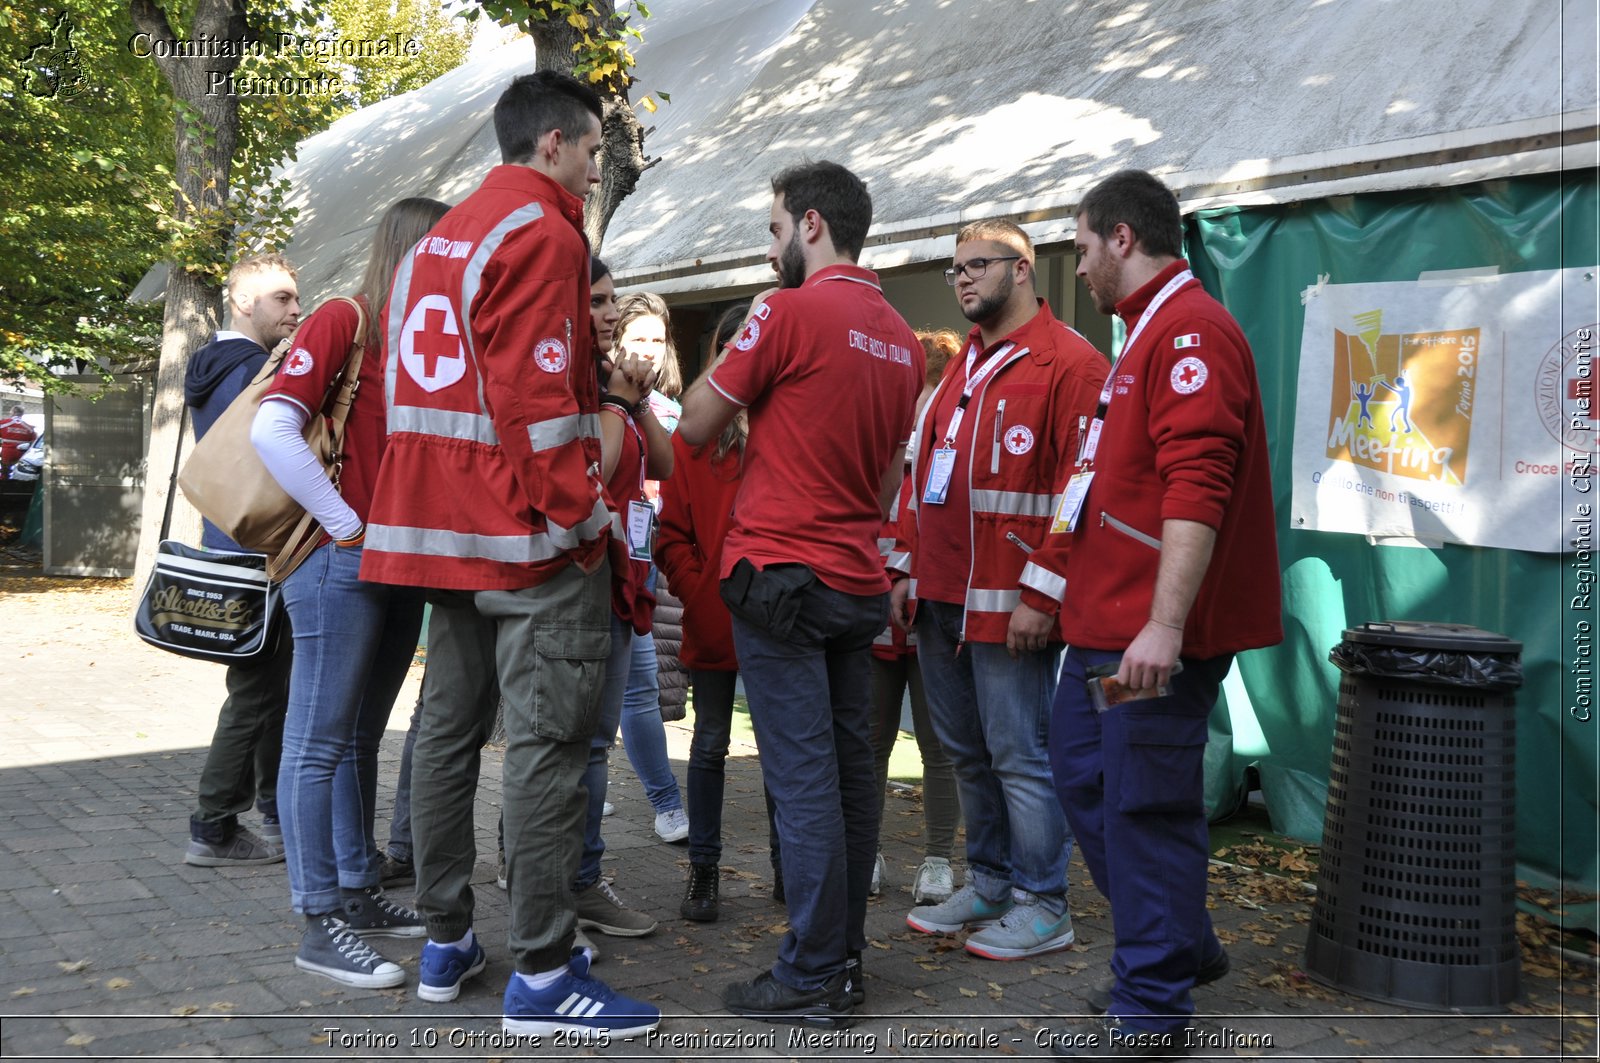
pixel 830 373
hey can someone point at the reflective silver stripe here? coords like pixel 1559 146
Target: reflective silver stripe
pixel 559 431
pixel 1044 581
pixel 885 638
pixel 397 315
pixel 451 424
pixel 899 560
pixel 435 542
pixel 1013 503
pixel 574 537
pixel 885 546
pixel 988 601
pixel 472 278
pixel 616 525
pixel 1130 531
pixel 912 593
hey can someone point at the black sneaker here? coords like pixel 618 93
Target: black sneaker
pixel 1098 997
pixel 393 871
pixel 370 914
pixel 330 949
pixel 858 979
pixel 700 898
pixel 766 998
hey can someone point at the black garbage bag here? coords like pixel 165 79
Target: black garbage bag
pixel 1442 654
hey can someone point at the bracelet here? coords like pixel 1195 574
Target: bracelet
pixel 616 406
pixel 355 540
pixel 1163 623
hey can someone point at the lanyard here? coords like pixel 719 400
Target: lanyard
pixel 1091 442
pixel 972 384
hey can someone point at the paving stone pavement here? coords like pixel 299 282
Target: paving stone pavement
pixel 111 947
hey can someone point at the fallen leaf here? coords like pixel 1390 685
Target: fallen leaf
pixel 223 1005
pixel 964 991
pixel 117 983
pixel 78 1040
pixel 74 967
pixel 185 1009
pixel 25 991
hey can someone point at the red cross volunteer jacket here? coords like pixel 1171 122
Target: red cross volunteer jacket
pixel 491 480
pixel 1029 412
pixel 1184 439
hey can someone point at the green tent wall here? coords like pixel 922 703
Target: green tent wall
pixel 1280 704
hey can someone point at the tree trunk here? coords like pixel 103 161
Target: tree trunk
pixel 194 296
pixel 622 157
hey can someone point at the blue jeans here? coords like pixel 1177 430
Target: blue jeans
pixel 644 737
pixel 810 692
pixel 353 642
pixel 992 715
pixel 1132 782
pixel 708 756
pixel 618 665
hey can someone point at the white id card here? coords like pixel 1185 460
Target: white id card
pixel 944 463
pixel 1071 503
pixel 641 529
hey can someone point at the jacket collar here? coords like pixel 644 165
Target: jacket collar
pixel 527 180
pixel 1132 306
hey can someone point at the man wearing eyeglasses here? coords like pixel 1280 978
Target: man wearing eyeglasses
pixel 994 447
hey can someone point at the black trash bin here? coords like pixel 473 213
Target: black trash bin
pixel 1416 896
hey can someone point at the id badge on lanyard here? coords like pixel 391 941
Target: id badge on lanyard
pixel 641 529
pixel 944 464
pixel 944 458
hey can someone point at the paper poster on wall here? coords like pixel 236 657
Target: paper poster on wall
pixel 1451 408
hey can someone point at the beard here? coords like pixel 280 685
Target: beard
pixel 792 264
pixel 988 306
pixel 1104 284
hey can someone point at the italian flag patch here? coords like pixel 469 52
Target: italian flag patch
pixel 1191 340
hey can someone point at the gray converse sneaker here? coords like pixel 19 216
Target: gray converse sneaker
pixel 243 849
pixel 966 910
pixel 1028 929
pixel 331 950
pixel 371 914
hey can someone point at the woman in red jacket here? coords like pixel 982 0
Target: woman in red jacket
pixel 696 512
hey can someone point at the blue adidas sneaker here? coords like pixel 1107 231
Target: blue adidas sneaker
pixel 445 967
pixel 575 1004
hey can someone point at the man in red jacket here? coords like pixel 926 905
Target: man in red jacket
pixel 1174 562
pixel 994 444
pixel 490 495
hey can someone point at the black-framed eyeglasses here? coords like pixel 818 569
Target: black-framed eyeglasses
pixel 974 268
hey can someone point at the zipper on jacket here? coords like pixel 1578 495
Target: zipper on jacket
pixel 1129 530
pixel 1016 540
pixel 999 427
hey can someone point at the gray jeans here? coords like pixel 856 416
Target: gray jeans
pixel 547 646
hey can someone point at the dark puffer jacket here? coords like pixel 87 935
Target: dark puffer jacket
pixel 672 674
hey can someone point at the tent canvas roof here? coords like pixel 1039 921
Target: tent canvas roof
pixel 953 110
